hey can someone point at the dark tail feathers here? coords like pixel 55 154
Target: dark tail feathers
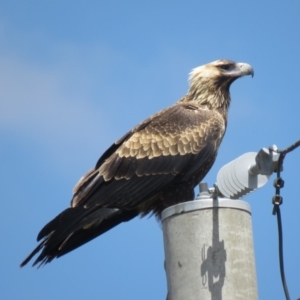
pixel 73 228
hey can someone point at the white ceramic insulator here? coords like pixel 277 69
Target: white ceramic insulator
pixel 234 180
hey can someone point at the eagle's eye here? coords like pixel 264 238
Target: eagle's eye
pixel 225 67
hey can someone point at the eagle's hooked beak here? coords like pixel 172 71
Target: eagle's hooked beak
pixel 244 69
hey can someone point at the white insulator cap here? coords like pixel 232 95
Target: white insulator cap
pixel 247 173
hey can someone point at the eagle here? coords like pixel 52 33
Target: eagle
pixel 155 165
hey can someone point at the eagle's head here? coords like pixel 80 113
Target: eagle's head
pixel 209 84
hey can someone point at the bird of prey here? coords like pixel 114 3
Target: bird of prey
pixel 153 166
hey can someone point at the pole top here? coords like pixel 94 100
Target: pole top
pixel 204 204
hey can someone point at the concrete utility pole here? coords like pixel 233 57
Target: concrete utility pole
pixel 208 242
pixel 209 250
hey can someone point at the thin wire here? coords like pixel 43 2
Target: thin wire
pixel 276 210
pixel 288 149
pixel 277 200
pixel 280 243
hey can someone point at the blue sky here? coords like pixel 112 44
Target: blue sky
pixel 76 75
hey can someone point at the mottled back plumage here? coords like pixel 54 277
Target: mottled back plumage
pixel 155 165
